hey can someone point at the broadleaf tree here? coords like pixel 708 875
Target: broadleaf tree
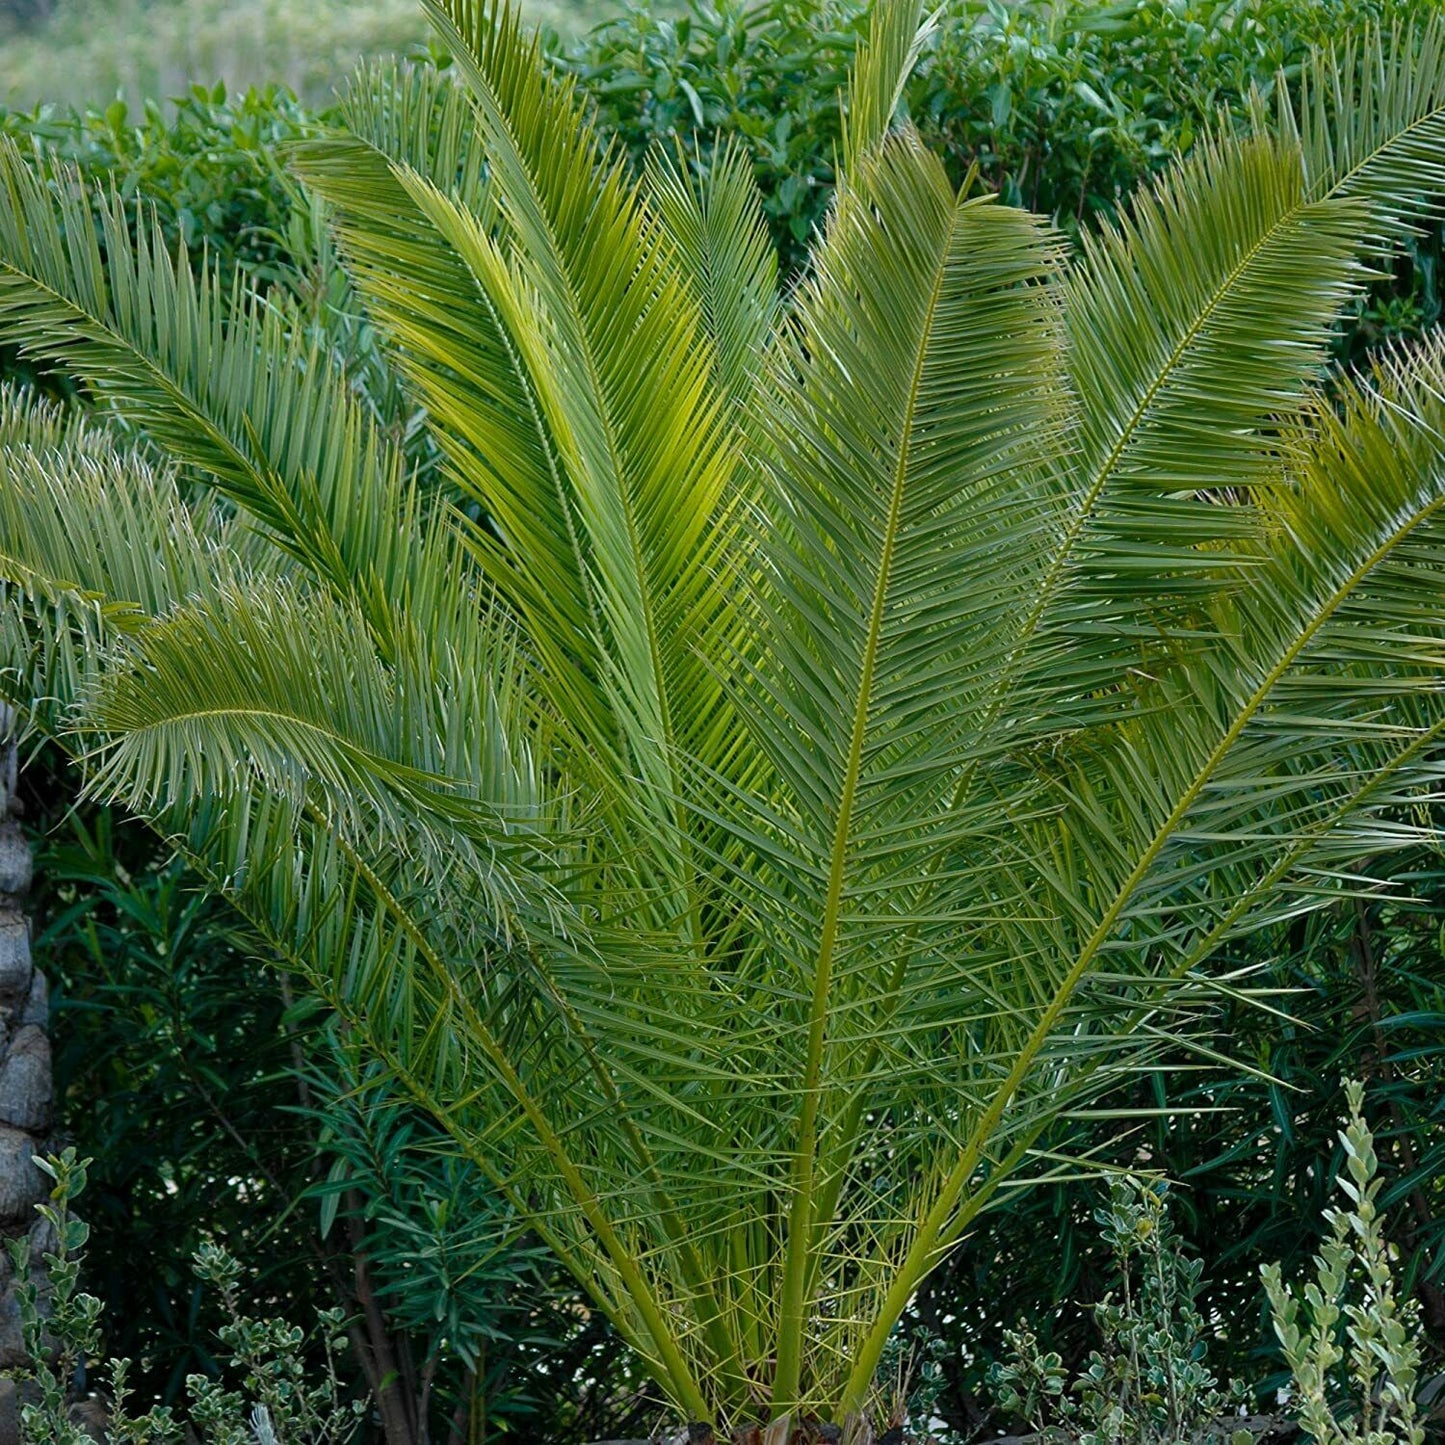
pixel 803 748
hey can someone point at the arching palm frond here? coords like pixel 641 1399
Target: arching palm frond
pixel 860 720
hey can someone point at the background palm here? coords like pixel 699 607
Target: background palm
pixel 850 725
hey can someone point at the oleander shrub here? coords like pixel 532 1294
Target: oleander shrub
pixel 1065 109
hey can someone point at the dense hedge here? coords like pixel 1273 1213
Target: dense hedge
pixel 1065 109
pixel 207 162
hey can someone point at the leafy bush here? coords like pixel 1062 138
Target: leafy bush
pixel 1354 1361
pixel 281 1401
pixel 1065 109
pixel 769 73
pixel 208 164
pixel 1146 1383
pixel 1352 1344
pixel 1258 1154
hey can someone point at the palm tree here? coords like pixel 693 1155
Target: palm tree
pixel 857 725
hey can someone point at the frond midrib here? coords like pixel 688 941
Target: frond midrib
pixel 800 1224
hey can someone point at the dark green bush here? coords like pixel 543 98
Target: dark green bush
pixel 208 164
pixel 1255 1155
pixel 769 72
pixel 1064 108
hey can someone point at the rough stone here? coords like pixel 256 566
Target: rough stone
pixel 15 968
pixel 16 860
pixel 37 1001
pixel 43 1241
pixel 26 1091
pixel 9 1413
pixel 12 1338
pixel 89 1415
pixel 22 1185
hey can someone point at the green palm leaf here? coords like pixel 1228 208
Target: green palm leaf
pixel 860 719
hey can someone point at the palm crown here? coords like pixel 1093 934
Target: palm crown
pixel 853 723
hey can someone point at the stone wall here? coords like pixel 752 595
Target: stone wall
pixel 26 1086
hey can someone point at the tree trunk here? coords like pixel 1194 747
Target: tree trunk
pixel 26 1086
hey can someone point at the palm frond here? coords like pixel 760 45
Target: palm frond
pixel 898 33
pixel 230 387
pixel 716 223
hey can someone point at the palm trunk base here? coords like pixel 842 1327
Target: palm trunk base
pixel 856 1430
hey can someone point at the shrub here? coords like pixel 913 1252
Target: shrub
pixel 214 1109
pixel 207 164
pixel 1147 1382
pixel 277 1404
pixel 1258 1152
pixel 1351 1343
pixel 769 73
pixel 1066 109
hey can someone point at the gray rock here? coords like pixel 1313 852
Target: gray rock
pixel 26 1091
pixel 90 1416
pixel 43 1241
pixel 16 861
pixel 15 968
pixel 37 1001
pixel 12 1340
pixel 22 1185
pixel 9 1413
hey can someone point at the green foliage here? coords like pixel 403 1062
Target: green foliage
pixel 171 1058
pixel 267 1353
pixel 1351 1343
pixel 275 1404
pixel 214 1108
pixel 864 722
pixel 1257 1154
pixel 1147 1382
pixel 459 1275
pixel 68 1333
pixel 204 169
pixel 1066 109
pixel 768 74
pixel 206 165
